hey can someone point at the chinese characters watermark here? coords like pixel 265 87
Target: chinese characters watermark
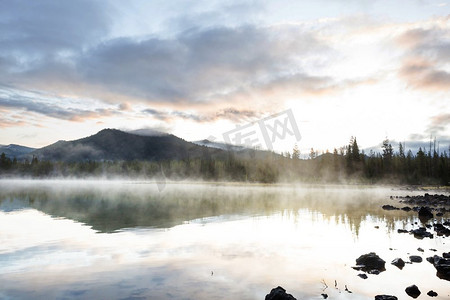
pixel 266 130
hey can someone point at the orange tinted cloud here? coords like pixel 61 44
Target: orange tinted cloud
pixel 426 61
pixel 12 123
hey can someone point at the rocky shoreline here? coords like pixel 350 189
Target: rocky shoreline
pixel 428 208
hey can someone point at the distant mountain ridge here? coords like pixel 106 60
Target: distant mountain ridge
pixel 15 151
pixel 113 144
pixel 142 145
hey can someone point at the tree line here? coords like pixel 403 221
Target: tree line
pixel 346 164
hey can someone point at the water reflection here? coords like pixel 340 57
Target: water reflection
pixel 165 245
pixel 109 207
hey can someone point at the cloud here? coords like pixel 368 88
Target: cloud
pixel 11 123
pixel 35 102
pixel 159 115
pixel 442 145
pixel 198 65
pixel 230 113
pixel 207 69
pixel 415 142
pixel 414 37
pixel 437 128
pixel 438 124
pixel 237 115
pixel 426 62
pixel 423 74
pixel 125 106
pixel 203 71
pixel 42 30
pixel 214 72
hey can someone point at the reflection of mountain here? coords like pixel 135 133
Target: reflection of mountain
pixel 109 208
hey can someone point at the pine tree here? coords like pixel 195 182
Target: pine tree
pixel 355 149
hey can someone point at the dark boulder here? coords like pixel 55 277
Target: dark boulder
pixel 425 213
pixel 415 259
pixel 370 263
pixel 446 254
pixel 279 293
pixel 441 230
pixel 389 207
pixel 413 291
pixel 432 293
pixel 399 263
pixel 442 266
pixel 427 199
pixel 325 296
pixel 406 208
pixel 385 297
pixel 363 276
pixel 402 231
pixel 421 233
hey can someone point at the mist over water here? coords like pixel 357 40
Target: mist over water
pixel 128 240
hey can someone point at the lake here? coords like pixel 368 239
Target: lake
pixel 73 239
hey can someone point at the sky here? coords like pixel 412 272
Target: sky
pixel 201 69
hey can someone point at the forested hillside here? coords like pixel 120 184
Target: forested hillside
pixel 347 164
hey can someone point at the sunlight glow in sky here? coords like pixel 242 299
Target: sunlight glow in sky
pixel 370 69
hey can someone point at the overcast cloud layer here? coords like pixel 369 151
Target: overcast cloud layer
pixel 75 61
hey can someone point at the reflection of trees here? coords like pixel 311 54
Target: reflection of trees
pixel 109 209
pixel 352 207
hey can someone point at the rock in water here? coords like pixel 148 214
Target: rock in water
pixel 441 230
pixel 371 263
pixel 389 207
pixel 399 263
pixel 442 266
pixel 425 212
pixel 279 293
pixel 413 291
pixel 363 276
pixel 421 233
pixel 432 293
pixel 415 259
pixel 385 297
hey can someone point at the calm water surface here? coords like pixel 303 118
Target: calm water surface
pixel 128 240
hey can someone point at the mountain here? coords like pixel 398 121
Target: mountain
pixel 16 151
pixel 113 144
pixel 222 146
pixel 147 132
